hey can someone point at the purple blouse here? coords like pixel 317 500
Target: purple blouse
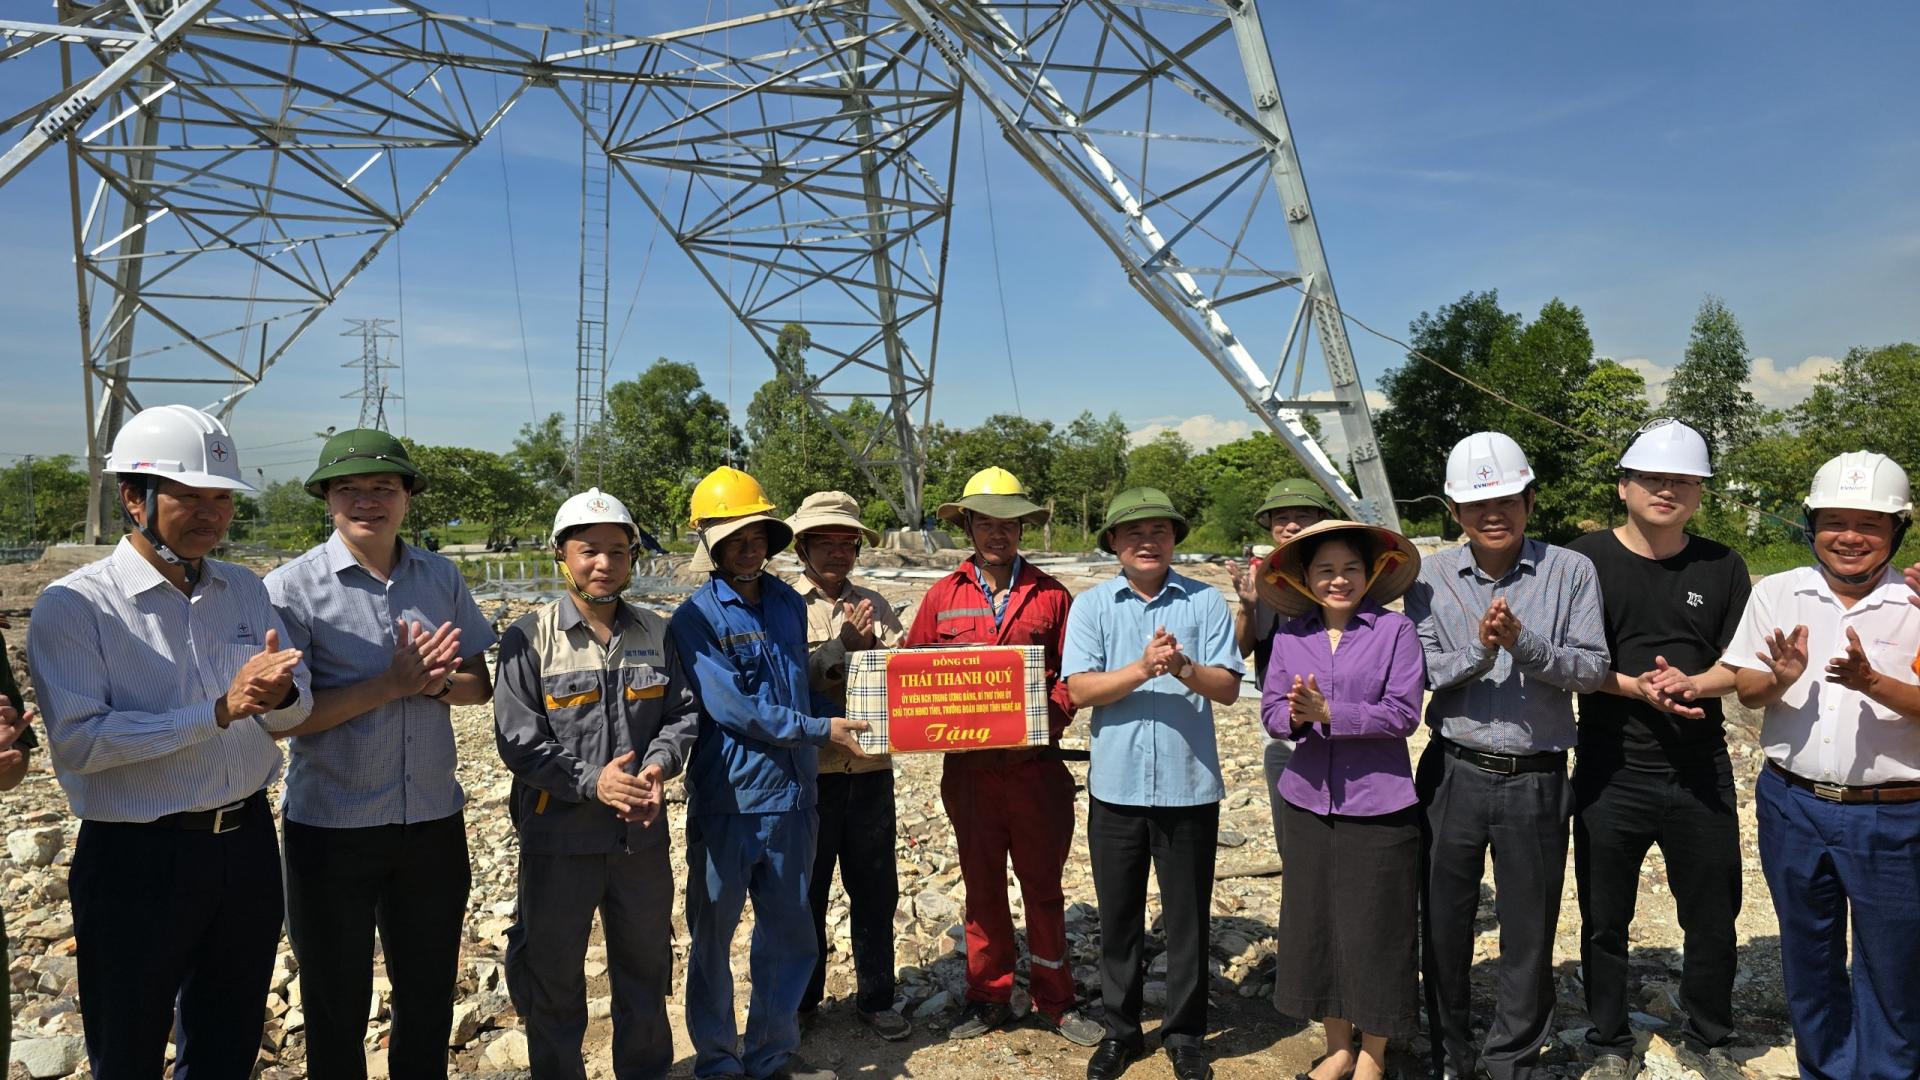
pixel 1357 764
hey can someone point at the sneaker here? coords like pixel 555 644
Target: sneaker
pixel 1712 1064
pixel 1611 1067
pixel 1075 1026
pixel 796 1069
pixel 887 1023
pixel 980 1017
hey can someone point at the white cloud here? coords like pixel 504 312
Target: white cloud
pixel 1202 432
pixel 1206 431
pixel 1656 376
pixel 1777 387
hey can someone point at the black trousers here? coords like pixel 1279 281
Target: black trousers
pixel 547 946
pixel 857 831
pixel 1179 843
pixel 408 881
pixel 1522 818
pixel 172 918
pixel 1618 815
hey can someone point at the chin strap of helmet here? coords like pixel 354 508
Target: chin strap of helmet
pixel 189 567
pixel 1899 537
pixel 567 575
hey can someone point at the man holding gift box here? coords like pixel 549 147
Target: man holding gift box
pixel 1014 803
pixel 855 793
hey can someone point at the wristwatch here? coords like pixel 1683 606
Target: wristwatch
pixel 445 689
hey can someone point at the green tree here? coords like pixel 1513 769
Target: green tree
pixel 543 453
pixel 1709 389
pixel 42 500
pixel 1166 462
pixel 1871 401
pixel 663 432
pixel 289 518
pixel 1020 446
pixel 472 486
pixel 1233 479
pixel 1430 410
pixel 1538 369
pixel 1089 465
pixel 1611 404
pixel 791 449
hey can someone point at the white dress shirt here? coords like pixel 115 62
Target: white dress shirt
pixel 127 669
pixel 1821 730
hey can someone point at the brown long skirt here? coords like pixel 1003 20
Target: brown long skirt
pixel 1349 920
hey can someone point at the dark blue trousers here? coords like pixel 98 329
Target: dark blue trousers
pixel 1827 863
pixel 172 918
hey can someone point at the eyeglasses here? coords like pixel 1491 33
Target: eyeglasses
pixel 1657 482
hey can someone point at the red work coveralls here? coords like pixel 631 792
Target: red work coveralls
pixel 1003 803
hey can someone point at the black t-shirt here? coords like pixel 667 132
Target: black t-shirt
pixel 1684 608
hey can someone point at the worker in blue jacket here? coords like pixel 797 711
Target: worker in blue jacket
pixel 751 821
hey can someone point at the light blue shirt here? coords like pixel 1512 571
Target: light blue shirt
pixel 395 764
pixel 1154 747
pixel 127 668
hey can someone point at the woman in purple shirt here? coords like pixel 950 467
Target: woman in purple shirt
pixel 1344 682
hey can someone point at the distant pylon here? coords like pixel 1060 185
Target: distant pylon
pixel 375 352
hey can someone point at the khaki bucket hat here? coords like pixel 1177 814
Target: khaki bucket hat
pixel 830 509
pixel 779 535
pixel 1281 581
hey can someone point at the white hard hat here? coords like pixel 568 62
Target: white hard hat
pixel 1667 446
pixel 1861 480
pixel 180 443
pixel 592 507
pixel 1486 465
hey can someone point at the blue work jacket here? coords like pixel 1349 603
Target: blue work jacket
pixel 760 721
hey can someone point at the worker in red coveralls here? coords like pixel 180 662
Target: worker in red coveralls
pixel 1016 802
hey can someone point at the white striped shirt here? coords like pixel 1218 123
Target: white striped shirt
pixel 127 669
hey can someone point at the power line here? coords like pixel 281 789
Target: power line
pixel 999 286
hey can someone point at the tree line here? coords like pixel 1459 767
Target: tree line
pixel 1573 411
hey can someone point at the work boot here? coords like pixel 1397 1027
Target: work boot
pixel 1611 1067
pixel 887 1023
pixel 794 1068
pixel 980 1017
pixel 1075 1026
pixel 1711 1064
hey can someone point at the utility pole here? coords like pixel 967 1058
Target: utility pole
pixel 33 513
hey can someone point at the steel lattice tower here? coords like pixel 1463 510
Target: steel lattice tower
pixel 375 350
pixel 234 164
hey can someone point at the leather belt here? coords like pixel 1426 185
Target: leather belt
pixel 222 819
pixel 1897 791
pixel 1508 764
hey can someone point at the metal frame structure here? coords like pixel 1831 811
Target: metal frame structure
pixel 376 350
pixel 234 164
pixel 596 232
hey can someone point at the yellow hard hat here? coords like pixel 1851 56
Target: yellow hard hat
pixel 997 493
pixel 725 493
pixel 993 480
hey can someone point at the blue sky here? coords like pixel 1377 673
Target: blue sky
pixel 1626 158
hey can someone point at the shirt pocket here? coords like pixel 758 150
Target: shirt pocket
pixel 644 682
pixel 574 711
pixel 227 660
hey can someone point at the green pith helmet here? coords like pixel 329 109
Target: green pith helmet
pixel 362 452
pixel 1140 504
pixel 1295 493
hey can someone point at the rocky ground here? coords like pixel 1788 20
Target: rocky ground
pixel 1249 1039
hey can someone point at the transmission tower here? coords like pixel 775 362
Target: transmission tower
pixel 590 345
pixel 801 155
pixel 375 350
